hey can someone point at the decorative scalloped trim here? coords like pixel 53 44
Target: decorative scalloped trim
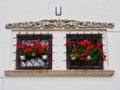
pixel 58 24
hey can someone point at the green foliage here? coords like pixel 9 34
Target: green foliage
pixel 45 52
pixel 73 55
pixel 84 48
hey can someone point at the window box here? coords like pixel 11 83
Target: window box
pixel 86 49
pixel 34 51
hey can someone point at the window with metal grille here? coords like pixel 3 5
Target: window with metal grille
pixel 84 51
pixel 34 51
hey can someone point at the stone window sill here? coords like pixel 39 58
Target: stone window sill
pixel 59 72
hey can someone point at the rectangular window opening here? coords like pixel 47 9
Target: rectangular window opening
pixel 84 51
pixel 34 51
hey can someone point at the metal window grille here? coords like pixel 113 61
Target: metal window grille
pixel 35 62
pixel 77 64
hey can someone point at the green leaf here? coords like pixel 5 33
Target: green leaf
pixel 73 55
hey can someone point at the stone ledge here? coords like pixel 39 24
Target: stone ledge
pixel 59 72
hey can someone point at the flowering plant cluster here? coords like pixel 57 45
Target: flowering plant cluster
pixel 33 48
pixel 84 50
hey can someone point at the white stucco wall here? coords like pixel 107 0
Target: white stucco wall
pixel 35 10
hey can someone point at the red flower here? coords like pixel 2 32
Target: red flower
pixel 87 50
pixel 72 42
pixel 31 47
pixel 79 55
pixel 103 56
pixel 67 42
pixel 49 52
pixel 25 45
pixel 21 42
pixel 19 46
pixel 100 50
pixel 87 42
pixel 82 55
pixel 82 59
pixel 37 45
pixel 46 46
pixel 76 50
pixel 99 45
pixel 27 50
pixel 40 50
pixel 81 43
pixel 31 41
pixel 38 40
pixel 92 46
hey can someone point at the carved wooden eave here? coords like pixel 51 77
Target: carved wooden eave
pixel 60 24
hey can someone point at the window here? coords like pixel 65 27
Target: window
pixel 86 42
pixel 34 51
pixel 84 51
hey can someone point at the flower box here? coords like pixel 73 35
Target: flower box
pixel 34 51
pixel 87 51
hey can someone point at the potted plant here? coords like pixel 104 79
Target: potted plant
pixel 84 50
pixel 45 52
pixel 32 48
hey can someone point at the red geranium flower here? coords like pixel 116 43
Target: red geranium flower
pixel 72 42
pixel 82 55
pixel 40 50
pixel 103 56
pixel 99 45
pixel 46 46
pixel 19 46
pixel 37 45
pixel 38 40
pixel 81 43
pixel 76 50
pixel 27 50
pixel 79 55
pixel 67 42
pixel 87 42
pixel 49 52
pixel 31 47
pixel 82 59
pixel 92 46
pixel 87 50
pixel 25 45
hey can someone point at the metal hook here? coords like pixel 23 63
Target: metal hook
pixel 33 32
pixel 41 32
pixel 84 32
pixel 26 32
pixel 64 37
pixel 47 32
pixel 91 34
pixel 98 33
pixel 19 32
pixel 58 13
pixel 69 32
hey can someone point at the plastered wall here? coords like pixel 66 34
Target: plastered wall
pixel 35 10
